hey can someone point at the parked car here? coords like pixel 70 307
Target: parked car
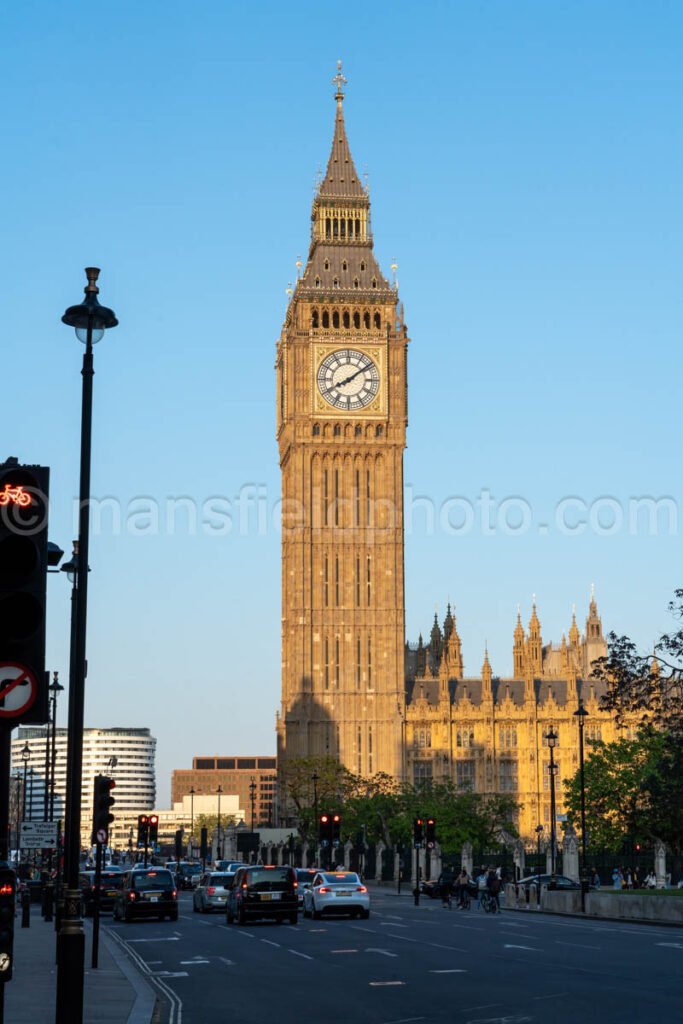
pixel 147 892
pixel 212 891
pixel 304 877
pixel 229 865
pixel 561 881
pixel 263 890
pixel 337 892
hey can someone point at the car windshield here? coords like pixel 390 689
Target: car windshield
pixel 268 878
pixel 342 877
pixel 304 876
pixel 143 881
pixel 112 879
pixel 191 869
pixel 220 880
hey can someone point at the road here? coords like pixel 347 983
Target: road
pixel 410 964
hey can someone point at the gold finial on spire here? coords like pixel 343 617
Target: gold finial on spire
pixel 298 265
pixel 339 80
pixel 289 291
pixel 394 268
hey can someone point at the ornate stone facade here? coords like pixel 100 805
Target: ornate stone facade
pixel 487 733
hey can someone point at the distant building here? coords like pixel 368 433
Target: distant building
pixel 235 775
pixel 127 755
pixel 186 815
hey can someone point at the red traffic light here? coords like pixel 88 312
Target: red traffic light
pixel 324 819
pixel 336 818
pixel 153 819
pixel 143 819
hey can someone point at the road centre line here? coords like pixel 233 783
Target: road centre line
pixel 269 943
pixel 451 970
pixel 405 1020
pixel 384 952
pixel 555 995
pixel 380 984
pixel 165 938
pixel 296 952
pixel 191 963
pixel 228 963
pixel 581 945
pixel 343 951
pixel 357 928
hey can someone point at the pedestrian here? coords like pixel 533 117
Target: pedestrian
pixel 461 884
pixel 628 878
pixel 595 879
pixel 650 880
pixel 481 884
pixel 617 878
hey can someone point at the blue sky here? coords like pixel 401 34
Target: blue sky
pixel 525 165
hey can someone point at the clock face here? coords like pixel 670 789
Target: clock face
pixel 348 379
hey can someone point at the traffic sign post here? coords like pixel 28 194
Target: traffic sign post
pixel 38 835
pixel 18 691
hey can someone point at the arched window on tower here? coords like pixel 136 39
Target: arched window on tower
pixel 374 282
pixel 362 265
pixel 316 430
pixel 379 430
pixel 326 264
pixel 328 227
pixel 378 321
pixel 346 319
pixel 317 282
pixel 335 318
pixel 335 228
pixel 356 319
pixel 335 282
pixel 366 320
pixel 345 265
pixel 314 318
pixel 356 282
pixel 342 226
pixel 326 318
pixel 358 231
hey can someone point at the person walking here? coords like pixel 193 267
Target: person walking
pixel 461 884
pixel 493 886
pixel 445 883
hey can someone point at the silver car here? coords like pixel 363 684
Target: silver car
pixel 212 891
pixel 336 892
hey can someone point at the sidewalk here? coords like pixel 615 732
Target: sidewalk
pixel 114 993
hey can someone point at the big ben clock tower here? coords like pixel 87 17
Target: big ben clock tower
pixel 341 426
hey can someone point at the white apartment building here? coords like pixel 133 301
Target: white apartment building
pixel 126 755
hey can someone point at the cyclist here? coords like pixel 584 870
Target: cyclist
pixel 493 884
pixel 445 886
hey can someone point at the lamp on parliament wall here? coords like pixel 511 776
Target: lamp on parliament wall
pixel 90 320
pixel 551 739
pixel 581 715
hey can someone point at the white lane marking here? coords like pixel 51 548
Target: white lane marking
pixel 395 917
pixel 343 951
pixel 269 943
pixel 178 934
pixel 166 938
pixel 185 917
pixel 468 927
pixel 580 945
pixel 296 952
pixel 405 1020
pixel 451 970
pixel 249 935
pixel 191 963
pixel 228 963
pixel 316 930
pixel 510 945
pixel 555 995
pixel 391 924
pixel 671 945
pixel 381 984
pixel 384 952
pixel 151 962
pixel 357 928
pixel 169 974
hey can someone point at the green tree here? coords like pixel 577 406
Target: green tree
pixel 650 683
pixel 333 785
pixel 634 788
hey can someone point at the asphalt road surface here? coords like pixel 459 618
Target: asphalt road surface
pixel 410 964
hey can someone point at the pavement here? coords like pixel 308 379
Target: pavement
pixel 115 993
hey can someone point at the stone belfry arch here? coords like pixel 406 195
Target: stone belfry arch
pixel 341 426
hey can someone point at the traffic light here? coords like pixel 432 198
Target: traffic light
pixel 418 832
pixel 336 829
pixel 8 889
pixel 103 801
pixel 324 829
pixel 23 583
pixel 143 830
pixel 431 833
pixel 153 829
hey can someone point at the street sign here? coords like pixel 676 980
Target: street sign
pixel 18 689
pixel 101 835
pixel 5 962
pixel 38 835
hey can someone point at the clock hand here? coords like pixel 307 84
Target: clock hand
pixel 352 377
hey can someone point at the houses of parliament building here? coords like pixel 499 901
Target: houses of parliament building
pixel 352 688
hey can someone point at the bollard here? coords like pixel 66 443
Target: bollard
pixel 25 909
pixel 49 900
pixel 416 895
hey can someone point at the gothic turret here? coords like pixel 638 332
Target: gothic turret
pixel 435 646
pixel 486 677
pixel 518 648
pixel 534 644
pixel 594 645
pixel 448 623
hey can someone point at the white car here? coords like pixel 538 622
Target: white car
pixel 336 892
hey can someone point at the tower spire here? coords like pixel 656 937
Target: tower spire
pixel 339 80
pixel 341 177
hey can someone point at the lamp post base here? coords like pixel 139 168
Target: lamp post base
pixel 70 961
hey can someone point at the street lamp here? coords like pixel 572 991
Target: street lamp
pixel 90 320
pixel 539 832
pixel 252 796
pixel 314 778
pixel 581 715
pixel 54 688
pixel 191 822
pixel 218 829
pixel 25 757
pixel 551 739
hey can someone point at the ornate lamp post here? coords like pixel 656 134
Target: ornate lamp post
pixel 218 829
pixel 25 757
pixel 539 832
pixel 551 740
pixel 90 320
pixel 252 796
pixel 581 714
pixel 191 822
pixel 55 689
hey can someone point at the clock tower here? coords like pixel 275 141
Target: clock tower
pixel 341 428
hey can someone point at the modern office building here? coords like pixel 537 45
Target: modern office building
pixel 234 775
pixel 127 755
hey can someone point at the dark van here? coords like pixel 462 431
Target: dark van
pixel 263 890
pixel 146 892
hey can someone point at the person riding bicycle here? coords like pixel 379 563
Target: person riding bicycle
pixel 493 885
pixel 461 884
